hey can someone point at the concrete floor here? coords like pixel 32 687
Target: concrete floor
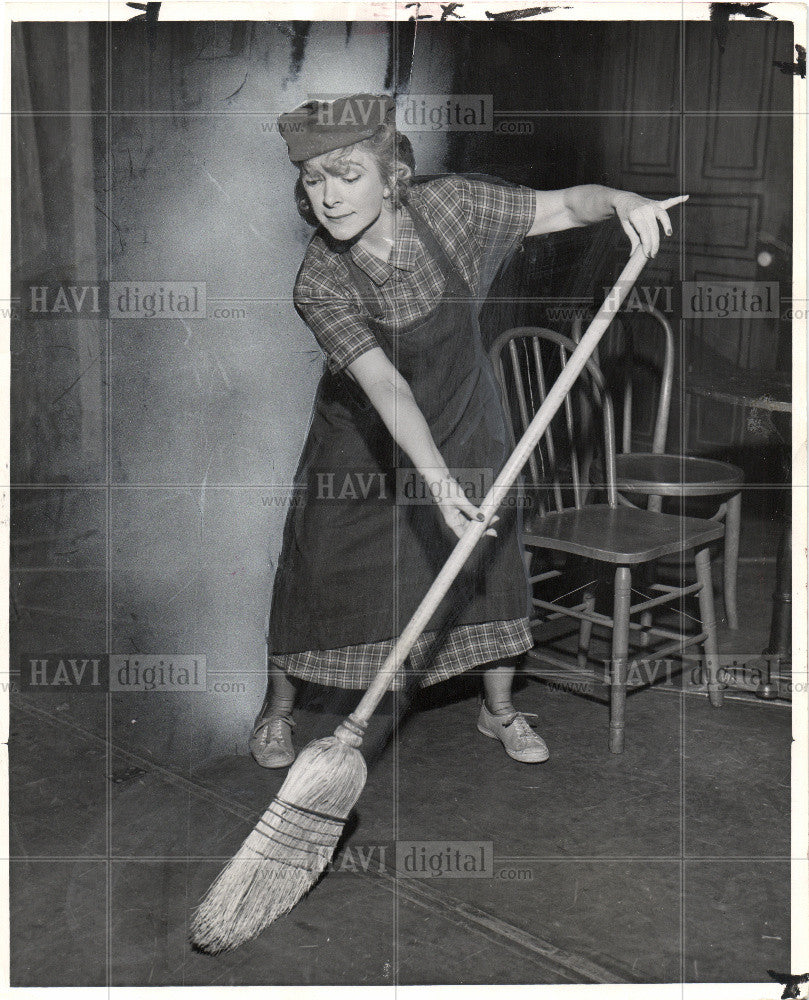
pixel 668 863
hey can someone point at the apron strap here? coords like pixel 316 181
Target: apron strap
pixel 426 235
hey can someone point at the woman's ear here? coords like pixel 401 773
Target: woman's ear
pixel 390 186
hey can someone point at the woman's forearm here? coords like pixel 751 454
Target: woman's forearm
pixel 395 404
pixel 393 400
pixel 589 203
pixel 568 208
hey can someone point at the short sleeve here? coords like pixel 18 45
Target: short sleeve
pixel 339 328
pixel 501 214
pixel 493 216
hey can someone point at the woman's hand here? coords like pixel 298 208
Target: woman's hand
pixel 640 216
pixel 455 507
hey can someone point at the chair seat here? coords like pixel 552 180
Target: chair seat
pixel 624 535
pixel 675 475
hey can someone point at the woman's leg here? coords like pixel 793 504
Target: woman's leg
pixel 500 720
pixel 281 692
pixel 271 740
pixel 497 681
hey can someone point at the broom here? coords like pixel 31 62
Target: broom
pixel 295 838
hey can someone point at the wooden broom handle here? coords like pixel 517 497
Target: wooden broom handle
pixel 576 362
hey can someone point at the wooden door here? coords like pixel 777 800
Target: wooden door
pixel 713 121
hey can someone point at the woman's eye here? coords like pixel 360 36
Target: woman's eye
pixel 310 181
pixel 350 180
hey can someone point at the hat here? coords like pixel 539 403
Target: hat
pixel 320 126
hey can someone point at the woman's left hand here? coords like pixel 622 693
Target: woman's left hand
pixel 640 217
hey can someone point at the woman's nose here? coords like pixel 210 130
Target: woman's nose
pixel 330 192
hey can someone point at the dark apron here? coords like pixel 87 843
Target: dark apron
pixel 365 540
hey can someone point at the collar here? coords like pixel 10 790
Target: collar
pixel 404 253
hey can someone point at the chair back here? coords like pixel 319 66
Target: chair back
pixel 623 334
pixel 527 361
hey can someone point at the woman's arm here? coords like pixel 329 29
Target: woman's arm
pixel 393 400
pixel 569 208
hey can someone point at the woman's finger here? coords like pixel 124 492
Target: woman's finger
pixel 465 505
pixel 459 525
pixel 633 236
pixel 671 202
pixel 458 515
pixel 650 218
pixel 646 226
pixel 455 521
pixel 663 219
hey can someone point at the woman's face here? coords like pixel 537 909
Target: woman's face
pixel 345 190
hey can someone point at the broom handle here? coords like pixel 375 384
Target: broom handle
pixel 463 549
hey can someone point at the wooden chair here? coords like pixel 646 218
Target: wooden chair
pixel 526 360
pixel 657 474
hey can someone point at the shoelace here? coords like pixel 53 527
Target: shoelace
pixel 521 725
pixel 275 734
pixel 521 715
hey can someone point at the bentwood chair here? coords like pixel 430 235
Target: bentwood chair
pixel 658 474
pixel 573 534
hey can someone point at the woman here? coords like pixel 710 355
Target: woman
pixel 389 286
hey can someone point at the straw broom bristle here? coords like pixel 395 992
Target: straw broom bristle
pixel 288 849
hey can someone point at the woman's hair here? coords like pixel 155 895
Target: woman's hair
pixel 394 159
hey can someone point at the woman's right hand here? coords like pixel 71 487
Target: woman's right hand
pixel 455 507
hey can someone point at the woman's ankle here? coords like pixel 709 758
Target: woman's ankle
pixel 497 681
pixel 500 708
pixel 280 706
pixel 281 693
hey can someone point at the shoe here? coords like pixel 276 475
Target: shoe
pixel 271 741
pixel 513 731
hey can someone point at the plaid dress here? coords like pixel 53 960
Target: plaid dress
pixel 478 224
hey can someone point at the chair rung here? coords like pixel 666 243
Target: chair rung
pixel 599 619
pixel 666 633
pixel 564 609
pixel 588 616
pixel 569 671
pixel 673 647
pixel 572 672
pixel 671 595
pixel 659 652
pixel 551 574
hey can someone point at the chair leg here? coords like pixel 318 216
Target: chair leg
pixel 706 610
pixel 620 654
pixel 645 621
pixel 655 503
pixel 733 521
pixel 646 617
pixel 585 630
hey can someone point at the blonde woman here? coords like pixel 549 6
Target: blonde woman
pixel 390 286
